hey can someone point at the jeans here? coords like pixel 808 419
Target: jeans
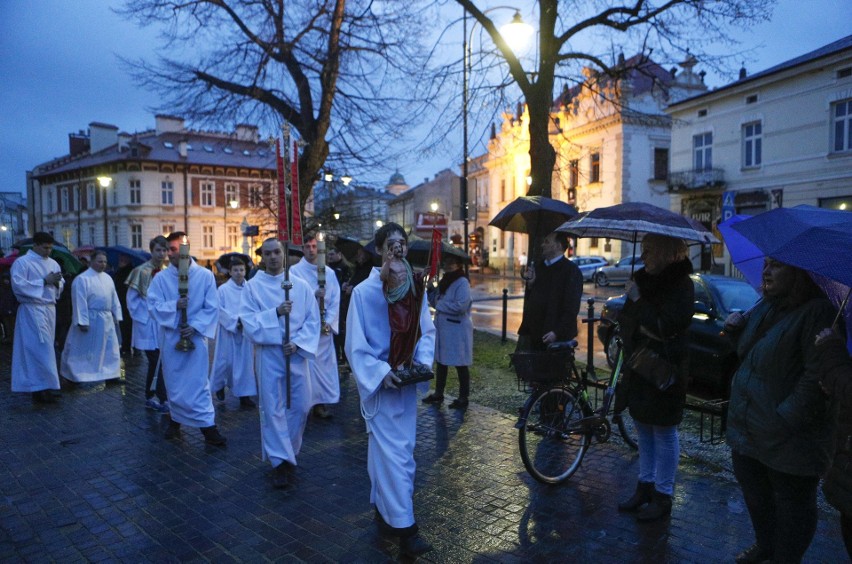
pixel 782 507
pixel 659 451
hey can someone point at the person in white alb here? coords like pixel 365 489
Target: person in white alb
pixel 37 283
pixel 266 314
pixel 91 350
pixel 233 361
pixel 185 371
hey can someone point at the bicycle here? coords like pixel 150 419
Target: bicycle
pixel 558 422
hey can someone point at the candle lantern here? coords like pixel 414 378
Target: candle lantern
pixel 184 259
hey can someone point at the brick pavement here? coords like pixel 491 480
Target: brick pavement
pixel 91 479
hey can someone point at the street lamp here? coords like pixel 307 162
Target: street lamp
pixel 105 181
pixel 514 33
pixel 233 204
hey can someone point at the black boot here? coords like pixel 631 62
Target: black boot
pixel 413 545
pixel 644 494
pixel 173 430
pixel 660 506
pixel 212 436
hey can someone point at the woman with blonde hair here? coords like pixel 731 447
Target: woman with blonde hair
pixel 656 315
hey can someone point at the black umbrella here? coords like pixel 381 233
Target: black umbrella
pixel 223 263
pixel 348 246
pixel 419 249
pixel 533 215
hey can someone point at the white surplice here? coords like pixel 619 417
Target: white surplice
pixel 391 415
pixel 325 379
pixel 33 357
pixel 185 373
pixel 233 360
pixel 281 429
pixel 92 355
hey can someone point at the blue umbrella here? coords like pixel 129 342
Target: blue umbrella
pixel 136 256
pixel 814 239
pixel 746 256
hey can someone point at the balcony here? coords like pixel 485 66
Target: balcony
pixel 707 179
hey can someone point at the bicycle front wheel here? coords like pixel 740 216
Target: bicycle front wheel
pixel 552 444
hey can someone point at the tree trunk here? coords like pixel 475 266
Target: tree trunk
pixel 542 153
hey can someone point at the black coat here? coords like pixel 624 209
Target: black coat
pixel 836 370
pixel 552 302
pixel 665 307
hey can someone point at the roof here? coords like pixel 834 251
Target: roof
pixel 825 51
pixel 203 148
pixel 642 73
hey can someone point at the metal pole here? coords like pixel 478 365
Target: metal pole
pixel 463 187
pixel 590 341
pixel 505 312
pixel 106 218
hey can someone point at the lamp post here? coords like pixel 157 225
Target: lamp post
pixel 514 32
pixel 233 205
pixel 105 181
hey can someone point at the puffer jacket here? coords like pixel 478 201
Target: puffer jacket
pixel 836 370
pixel 665 308
pixel 778 413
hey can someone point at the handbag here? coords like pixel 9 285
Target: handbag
pixel 653 367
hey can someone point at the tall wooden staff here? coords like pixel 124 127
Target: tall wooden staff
pixel 284 237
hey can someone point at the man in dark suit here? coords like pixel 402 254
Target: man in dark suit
pixel 552 297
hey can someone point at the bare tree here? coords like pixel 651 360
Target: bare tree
pixel 345 74
pixel 589 33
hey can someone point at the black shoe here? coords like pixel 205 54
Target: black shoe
pixel 246 401
pixel 381 524
pixel 279 476
pixel 413 545
pixel 212 436
pixel 753 555
pixel 44 396
pixel 660 507
pixel 220 394
pixel 644 494
pixel 321 411
pixel 459 403
pixel 433 399
pixel 173 431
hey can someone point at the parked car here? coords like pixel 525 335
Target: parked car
pixel 619 273
pixel 712 358
pixel 589 266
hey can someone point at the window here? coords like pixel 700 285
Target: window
pixel 844 73
pixel 573 173
pixel 503 190
pixel 752 144
pixel 50 200
pixel 702 113
pixel 232 194
pixel 842 116
pixel 207 233
pixel 751 99
pixel 254 196
pixel 135 192
pixel 90 196
pixel 136 236
pixel 168 228
pixel 595 167
pixel 207 194
pixel 63 194
pixel 233 238
pixel 114 235
pixel 167 193
pixel 661 163
pixel 91 233
pixel 702 150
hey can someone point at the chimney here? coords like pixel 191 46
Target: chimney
pixel 168 124
pixel 101 136
pixel 743 72
pixel 78 143
pixel 123 142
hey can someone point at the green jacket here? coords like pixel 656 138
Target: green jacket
pixel 778 413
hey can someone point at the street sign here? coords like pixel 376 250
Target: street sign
pixel 728 207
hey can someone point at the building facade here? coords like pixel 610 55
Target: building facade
pixel 119 189
pixel 13 220
pixel 612 138
pixel 781 137
pixel 435 202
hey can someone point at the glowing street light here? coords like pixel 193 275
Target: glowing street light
pixel 104 182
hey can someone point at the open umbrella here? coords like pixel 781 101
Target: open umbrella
pixel 7 260
pixel 534 215
pixel 745 255
pixel 348 246
pixel 418 250
pixel 60 253
pixel 814 239
pixel 633 220
pixel 113 253
pixel 223 263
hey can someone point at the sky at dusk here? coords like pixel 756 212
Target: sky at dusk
pixel 60 71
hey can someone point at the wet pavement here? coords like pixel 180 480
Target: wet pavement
pixel 91 479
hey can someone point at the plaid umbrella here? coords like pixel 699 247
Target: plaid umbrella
pixel 633 220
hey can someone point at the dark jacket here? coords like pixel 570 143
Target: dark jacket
pixel 778 413
pixel 665 306
pixel 552 302
pixel 836 371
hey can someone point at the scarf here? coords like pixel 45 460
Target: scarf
pixel 447 280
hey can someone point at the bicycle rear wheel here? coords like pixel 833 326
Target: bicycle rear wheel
pixel 627 429
pixel 552 444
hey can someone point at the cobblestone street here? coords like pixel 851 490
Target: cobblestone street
pixel 92 479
